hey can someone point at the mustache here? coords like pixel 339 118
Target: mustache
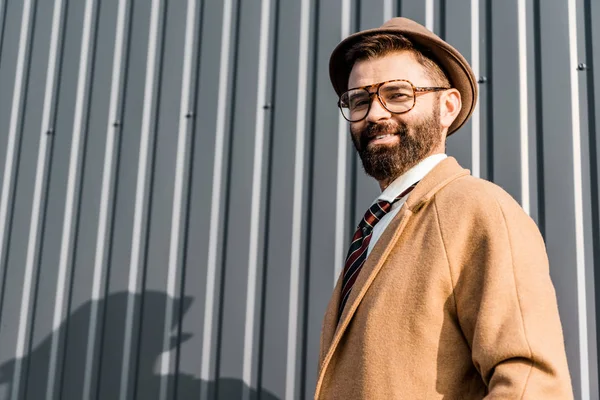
pixel 376 129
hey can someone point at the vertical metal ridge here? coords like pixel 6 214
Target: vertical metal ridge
pixel 215 211
pixel 255 216
pixel 594 178
pixel 176 218
pixel 228 179
pixel 159 53
pixel 188 193
pixel 268 200
pixel 490 93
pixel 310 204
pixel 3 13
pixel 443 16
pixel 539 98
pixel 24 329
pixel 430 15
pixel 70 207
pixel 388 10
pixel 290 377
pixel 523 106
pixel 15 117
pixel 137 241
pixel 98 280
pixel 340 195
pixel 355 25
pixel 578 202
pixel 476 116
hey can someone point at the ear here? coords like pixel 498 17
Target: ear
pixel 450 105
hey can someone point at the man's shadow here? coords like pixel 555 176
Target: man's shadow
pixel 148 346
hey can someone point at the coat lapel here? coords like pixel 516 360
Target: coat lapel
pixel 330 321
pixel 447 171
pixel 372 264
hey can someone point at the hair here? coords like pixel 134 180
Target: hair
pixel 381 44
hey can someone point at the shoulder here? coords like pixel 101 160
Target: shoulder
pixel 471 200
pixel 477 217
pixel 470 193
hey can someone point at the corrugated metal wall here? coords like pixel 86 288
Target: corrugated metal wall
pixel 178 187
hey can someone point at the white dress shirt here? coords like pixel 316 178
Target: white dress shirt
pixel 399 185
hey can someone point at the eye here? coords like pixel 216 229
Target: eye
pixel 398 96
pixel 360 102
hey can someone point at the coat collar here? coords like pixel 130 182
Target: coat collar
pixel 444 173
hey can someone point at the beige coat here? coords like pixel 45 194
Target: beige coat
pixel 454 302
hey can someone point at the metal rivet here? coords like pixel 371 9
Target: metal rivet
pixel 117 123
pixel 581 67
pixel 267 106
pixel 50 132
pixel 482 79
pixel 189 115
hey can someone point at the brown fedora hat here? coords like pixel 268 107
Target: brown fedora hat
pixel 452 62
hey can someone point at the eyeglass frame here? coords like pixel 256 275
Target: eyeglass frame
pixel 416 90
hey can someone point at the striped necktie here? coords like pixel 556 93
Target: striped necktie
pixel 357 253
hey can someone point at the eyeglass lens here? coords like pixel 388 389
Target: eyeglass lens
pixel 397 97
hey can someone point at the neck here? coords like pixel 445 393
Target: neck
pixel 384 183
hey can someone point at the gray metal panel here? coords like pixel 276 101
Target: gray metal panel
pixel 236 274
pixel 592 10
pixel 505 96
pixel 558 172
pixel 281 198
pixel 19 234
pixel 322 225
pixel 301 206
pixel 81 305
pixel 3 14
pixel 485 90
pixel 194 356
pixel 532 41
pixel 414 9
pixel 458 34
pixel 8 73
pixel 587 121
pixel 370 15
pixel 41 374
pixel 156 301
pixel 10 19
pixel 114 313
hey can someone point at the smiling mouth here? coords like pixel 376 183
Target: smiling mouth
pixel 388 137
pixel 382 136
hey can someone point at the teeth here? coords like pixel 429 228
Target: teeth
pixel 381 136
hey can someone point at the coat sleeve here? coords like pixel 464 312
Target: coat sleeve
pixel 505 301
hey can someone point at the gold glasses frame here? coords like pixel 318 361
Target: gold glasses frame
pixel 416 90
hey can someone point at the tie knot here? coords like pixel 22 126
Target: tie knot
pixel 379 209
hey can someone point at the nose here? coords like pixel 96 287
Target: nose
pixel 377 112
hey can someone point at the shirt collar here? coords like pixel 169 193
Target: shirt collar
pixel 410 177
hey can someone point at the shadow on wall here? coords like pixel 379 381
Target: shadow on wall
pixel 147 349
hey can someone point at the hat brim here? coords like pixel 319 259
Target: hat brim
pixel 457 69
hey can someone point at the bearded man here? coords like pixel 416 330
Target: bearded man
pixel 445 292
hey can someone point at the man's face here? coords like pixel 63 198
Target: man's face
pixel 390 144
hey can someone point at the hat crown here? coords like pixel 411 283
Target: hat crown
pixel 450 60
pixel 405 23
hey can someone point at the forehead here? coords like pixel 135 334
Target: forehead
pixel 396 65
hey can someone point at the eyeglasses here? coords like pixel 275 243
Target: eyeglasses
pixel 398 96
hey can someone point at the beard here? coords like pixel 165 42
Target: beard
pixel 386 162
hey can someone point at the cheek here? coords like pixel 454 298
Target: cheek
pixel 356 128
